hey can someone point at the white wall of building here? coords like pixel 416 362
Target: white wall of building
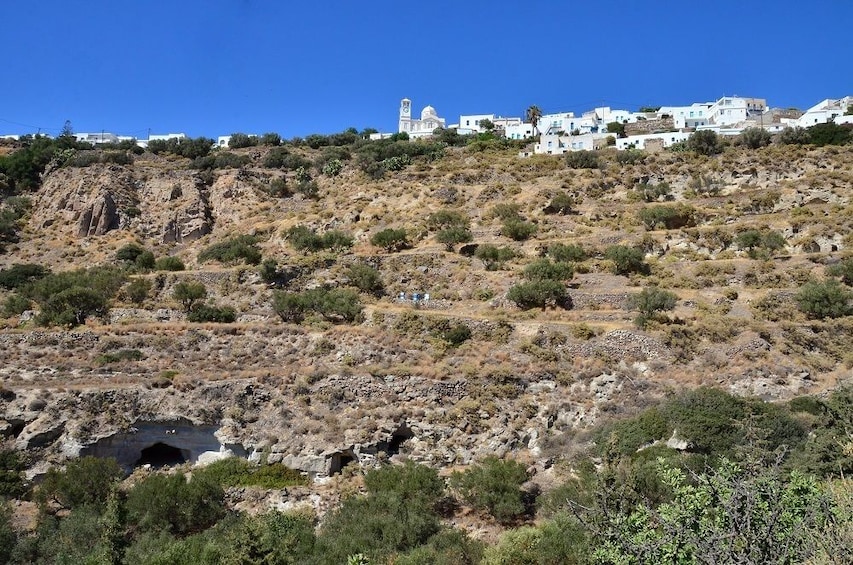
pixel 519 131
pixel 639 141
pixel 423 127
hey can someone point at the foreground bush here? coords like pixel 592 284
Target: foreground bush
pixel 494 485
pixel 539 294
pixel 242 247
pixel 826 299
pixel 174 504
pixel 335 305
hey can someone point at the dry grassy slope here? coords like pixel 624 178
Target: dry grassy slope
pixel 544 370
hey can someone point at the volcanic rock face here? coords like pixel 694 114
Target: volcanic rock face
pixel 99 218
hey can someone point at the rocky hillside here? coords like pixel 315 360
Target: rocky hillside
pixel 320 394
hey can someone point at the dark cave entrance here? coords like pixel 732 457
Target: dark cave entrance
pixel 161 455
pixel 398 438
pixel 340 460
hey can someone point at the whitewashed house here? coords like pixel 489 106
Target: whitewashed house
pixel 522 130
pixel 829 110
pixel 559 143
pixel 471 123
pixel 692 116
pixel 648 140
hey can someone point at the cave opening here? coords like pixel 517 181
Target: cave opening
pixel 398 438
pixel 161 455
pixel 339 461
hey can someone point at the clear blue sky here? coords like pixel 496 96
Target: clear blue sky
pixel 212 67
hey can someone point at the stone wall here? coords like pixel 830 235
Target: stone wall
pixel 649 126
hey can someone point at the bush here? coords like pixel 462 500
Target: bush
pixel 236 471
pixel 453 236
pixel 119 356
pixel 174 504
pixel 390 239
pixel 68 298
pixel 539 294
pixel 755 138
pixel 561 203
pixel 445 219
pixel 844 270
pixel 242 247
pixel 11 476
pixel 827 299
pixel 671 217
pixel 137 290
pixel 84 481
pixel 543 269
pixel 190 148
pixel 830 134
pixel 626 260
pixel 188 293
pixel 241 140
pixel 21 274
pixel 221 160
pixel 565 253
pixel 582 160
pixel 397 515
pixel 752 240
pixel 129 252
pixel 304 238
pixel 705 142
pixel 457 334
pixel 654 192
pixel 169 264
pixel 208 313
pixel 365 278
pixel 493 485
pixel 506 211
pixel 336 305
pixel 308 189
pixel 630 157
pixel 650 301
pixel 494 257
pixel 794 136
pixel 15 305
pixel 281 158
pixel 518 230
pixel 278 188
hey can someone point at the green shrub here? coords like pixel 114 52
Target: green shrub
pixel 20 274
pixel 336 305
pixel 565 253
pixel 539 294
pixel 651 301
pixel 561 203
pixel 625 259
pixel 235 471
pixel 118 356
pixel 15 305
pixel 391 239
pixel 755 137
pixel 242 247
pixel 174 504
pixel 365 278
pixel 445 219
pixel 794 136
pixel 518 230
pixel 208 313
pixel 630 157
pixel 137 290
pixel 654 192
pixel 453 236
pixel 278 187
pixel 129 252
pixel 843 269
pixel 544 269
pixel 705 142
pixel 241 140
pixel 830 134
pixel 447 547
pixel 84 481
pixel 11 475
pixel 308 189
pixel 582 160
pixel 506 211
pixel 289 306
pixel 188 293
pixel 494 485
pixel 494 257
pixel 169 264
pixel 826 299
pixel 281 158
pixel 397 515
pixel 304 238
pixel 220 160
pixel 670 217
pixel 457 334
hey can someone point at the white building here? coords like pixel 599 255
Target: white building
pixel 519 131
pixel 829 110
pixel 100 137
pixel 656 139
pixel 471 123
pixel 423 127
pixel 734 109
pixel 559 143
pixel 693 116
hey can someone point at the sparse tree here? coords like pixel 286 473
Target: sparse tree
pixel 705 142
pixel 533 115
pixel 188 293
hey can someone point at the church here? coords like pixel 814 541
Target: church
pixel 418 128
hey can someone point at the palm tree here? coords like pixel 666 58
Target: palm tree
pixel 533 115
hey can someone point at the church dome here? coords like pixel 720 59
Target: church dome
pixel 428 112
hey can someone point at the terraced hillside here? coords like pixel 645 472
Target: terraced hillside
pixel 479 368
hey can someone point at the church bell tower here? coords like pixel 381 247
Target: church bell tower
pixel 405 115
